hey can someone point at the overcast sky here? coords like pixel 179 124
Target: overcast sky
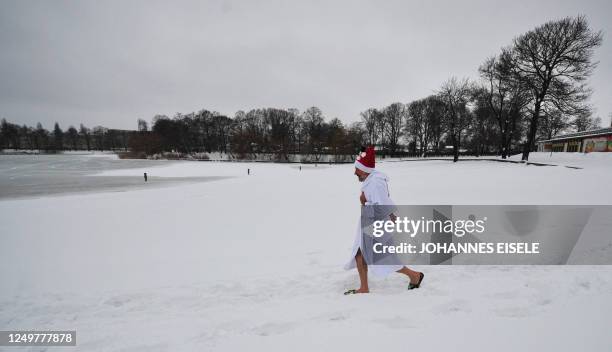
pixel 111 62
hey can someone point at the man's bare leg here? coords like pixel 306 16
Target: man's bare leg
pixel 413 275
pixel 362 268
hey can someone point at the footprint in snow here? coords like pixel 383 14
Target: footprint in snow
pixel 274 328
pixel 453 306
pixel 514 312
pixel 503 294
pixel 396 323
pixel 333 316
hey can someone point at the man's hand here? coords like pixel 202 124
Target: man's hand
pixel 362 199
pixel 392 217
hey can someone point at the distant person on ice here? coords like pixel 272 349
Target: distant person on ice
pixel 374 190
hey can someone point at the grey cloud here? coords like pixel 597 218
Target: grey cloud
pixel 111 62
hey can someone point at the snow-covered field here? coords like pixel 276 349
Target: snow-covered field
pixel 255 262
pixel 587 160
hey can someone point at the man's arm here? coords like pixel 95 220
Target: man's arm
pixel 362 199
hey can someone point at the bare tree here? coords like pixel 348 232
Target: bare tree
pixel 553 122
pixel 554 60
pixel 456 95
pixel 42 137
pixel 336 136
pixel 505 95
pixel 9 135
pixel 86 135
pixel 73 137
pixel 369 119
pixel 483 132
pixel 416 123
pixel 313 119
pixel 298 131
pixel 423 121
pixel 99 134
pixel 394 116
pixel 381 127
pixel 239 138
pixel 27 133
pixel 142 125
pixel 356 137
pixel 586 122
pixel 58 137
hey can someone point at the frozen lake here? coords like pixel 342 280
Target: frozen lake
pixel 23 176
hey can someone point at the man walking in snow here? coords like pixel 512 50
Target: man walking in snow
pixel 374 191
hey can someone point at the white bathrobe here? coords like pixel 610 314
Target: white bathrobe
pixel 376 190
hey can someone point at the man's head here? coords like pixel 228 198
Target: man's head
pixel 361 175
pixel 365 163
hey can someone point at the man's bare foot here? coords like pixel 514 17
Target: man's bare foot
pixel 353 291
pixel 414 279
pixel 418 282
pixel 414 276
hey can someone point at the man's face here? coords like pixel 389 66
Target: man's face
pixel 361 175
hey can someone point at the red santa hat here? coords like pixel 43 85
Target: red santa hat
pixel 366 160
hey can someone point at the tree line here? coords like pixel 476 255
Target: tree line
pixel 13 136
pixel 534 88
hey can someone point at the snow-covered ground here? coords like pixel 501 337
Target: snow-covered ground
pixel 587 160
pixel 255 262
